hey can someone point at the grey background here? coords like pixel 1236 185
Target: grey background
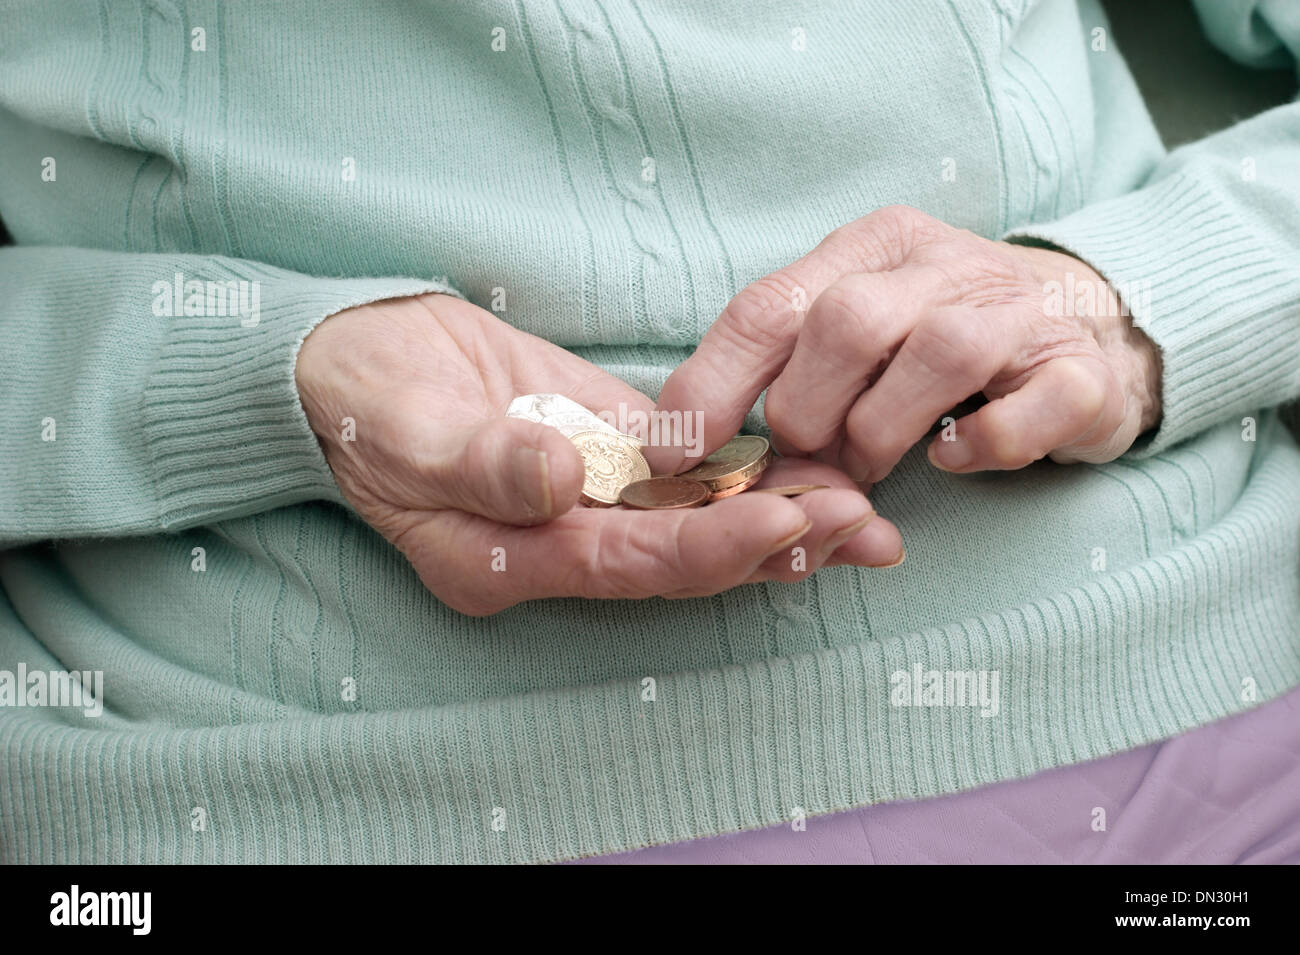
pixel 1190 87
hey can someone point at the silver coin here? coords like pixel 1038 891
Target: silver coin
pixel 563 414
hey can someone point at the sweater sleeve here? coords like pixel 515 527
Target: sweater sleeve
pixel 1206 254
pixel 144 393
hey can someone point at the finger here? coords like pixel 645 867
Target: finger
pixel 878 545
pixel 1067 402
pixel 836 515
pixel 845 527
pixel 505 469
pixel 951 354
pixel 479 566
pixel 851 331
pixel 752 339
pixel 839 519
pixel 633 413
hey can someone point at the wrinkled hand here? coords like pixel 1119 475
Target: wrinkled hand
pixel 435 466
pixel 897 318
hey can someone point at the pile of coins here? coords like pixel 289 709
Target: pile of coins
pixel 617 473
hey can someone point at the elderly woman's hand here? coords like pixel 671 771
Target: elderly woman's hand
pixel 430 461
pixel 895 319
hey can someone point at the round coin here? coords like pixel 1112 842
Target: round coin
pixel 734 488
pixel 738 461
pixel 612 462
pixel 791 490
pixel 663 493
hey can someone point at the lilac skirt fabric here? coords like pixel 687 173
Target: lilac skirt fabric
pixel 1228 792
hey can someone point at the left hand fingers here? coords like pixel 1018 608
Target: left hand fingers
pixel 852 330
pixel 952 354
pixel 749 344
pixel 1069 408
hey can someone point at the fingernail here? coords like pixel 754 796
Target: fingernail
pixel 843 535
pixel 785 542
pixel 951 455
pixel 533 479
pixel 902 556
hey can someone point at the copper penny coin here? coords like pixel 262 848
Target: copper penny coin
pixel 735 488
pixel 663 493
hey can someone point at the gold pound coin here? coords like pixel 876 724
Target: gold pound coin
pixel 611 462
pixel 737 464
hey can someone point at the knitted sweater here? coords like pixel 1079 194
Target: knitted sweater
pixel 277 685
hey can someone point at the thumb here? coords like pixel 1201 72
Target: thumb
pixel 508 470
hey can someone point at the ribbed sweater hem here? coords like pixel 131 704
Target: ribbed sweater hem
pixel 1139 654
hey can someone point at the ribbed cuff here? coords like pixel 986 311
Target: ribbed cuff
pixel 225 432
pixel 1221 303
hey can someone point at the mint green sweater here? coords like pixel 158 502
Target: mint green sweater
pixel 607 175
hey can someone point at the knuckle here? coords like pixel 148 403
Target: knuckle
pixel 762 318
pixel 616 559
pixel 406 534
pixel 1004 446
pixel 877 240
pixel 1087 390
pixel 871 436
pixel 474 479
pixel 647 563
pixel 879 449
pixel 844 320
pixel 901 218
pixel 477 454
pixel 1013 459
pixel 782 415
pixel 952 344
pixel 905 225
pixel 796 432
pixel 579 562
pixel 840 305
